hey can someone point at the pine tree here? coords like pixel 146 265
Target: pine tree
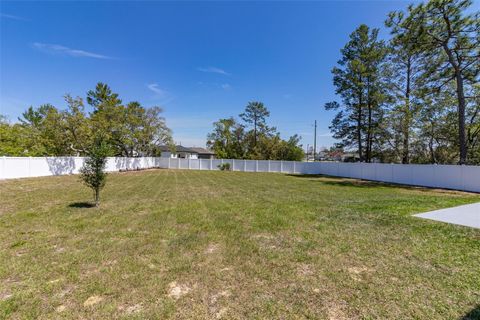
pixel 450 38
pixel 358 81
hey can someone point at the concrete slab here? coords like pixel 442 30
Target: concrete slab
pixel 467 215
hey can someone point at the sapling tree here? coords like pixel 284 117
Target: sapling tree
pixel 93 171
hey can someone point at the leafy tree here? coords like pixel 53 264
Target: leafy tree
pixel 12 138
pixel 143 131
pixel 93 172
pixel 44 131
pixel 131 129
pixel 290 149
pixel 78 126
pixel 227 139
pixel 450 38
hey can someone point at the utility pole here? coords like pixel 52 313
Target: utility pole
pixel 315 141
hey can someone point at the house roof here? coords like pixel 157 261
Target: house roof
pixel 202 150
pixel 178 149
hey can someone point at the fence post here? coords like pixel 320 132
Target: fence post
pixel 189 163
pixel 294 162
pixel 211 164
pixel 169 162
pixel 178 163
pixel 233 164
pixel 256 165
pixel 4 166
pixel 392 179
pixel 244 165
pixel 29 166
pixel 281 166
pixel 268 165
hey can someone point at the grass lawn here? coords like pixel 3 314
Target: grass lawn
pixel 205 245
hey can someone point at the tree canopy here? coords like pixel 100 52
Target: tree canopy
pixel 414 98
pixel 252 138
pixel 129 129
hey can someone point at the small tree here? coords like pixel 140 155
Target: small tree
pixel 93 171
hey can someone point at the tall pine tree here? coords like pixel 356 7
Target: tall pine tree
pixel 359 82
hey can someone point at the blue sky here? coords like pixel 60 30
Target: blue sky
pixel 200 61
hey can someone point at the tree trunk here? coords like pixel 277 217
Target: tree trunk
pixel 461 120
pixel 462 141
pixel 369 135
pixel 359 134
pixel 369 125
pixel 97 197
pixel 430 146
pixel 255 132
pixel 407 118
pixel 359 125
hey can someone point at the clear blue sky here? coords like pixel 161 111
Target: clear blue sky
pixel 199 61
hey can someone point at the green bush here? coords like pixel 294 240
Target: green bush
pixel 224 166
pixel 93 171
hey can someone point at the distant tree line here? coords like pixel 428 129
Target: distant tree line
pixel 252 138
pixel 127 129
pixel 416 97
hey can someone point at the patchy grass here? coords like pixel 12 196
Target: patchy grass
pixel 193 244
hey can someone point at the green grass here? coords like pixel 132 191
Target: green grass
pixel 205 245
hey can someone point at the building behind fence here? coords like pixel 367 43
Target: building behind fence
pixel 465 178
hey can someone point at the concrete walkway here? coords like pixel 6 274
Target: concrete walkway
pixel 467 215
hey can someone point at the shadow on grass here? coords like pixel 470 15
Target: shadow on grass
pixel 359 183
pixel 474 314
pixel 343 182
pixel 82 205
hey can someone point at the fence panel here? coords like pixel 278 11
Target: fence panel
pixel 250 165
pixel 238 165
pixel 439 176
pixel 16 168
pixel 203 164
pixel 194 164
pixel 471 178
pixel 275 166
pixel 448 176
pixel 288 167
pixel 216 163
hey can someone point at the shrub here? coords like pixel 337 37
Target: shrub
pixel 224 166
pixel 93 171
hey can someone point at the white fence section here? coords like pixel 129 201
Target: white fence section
pixel 438 176
pixel 22 167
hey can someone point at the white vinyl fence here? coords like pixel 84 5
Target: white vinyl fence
pixel 24 167
pixel 438 176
